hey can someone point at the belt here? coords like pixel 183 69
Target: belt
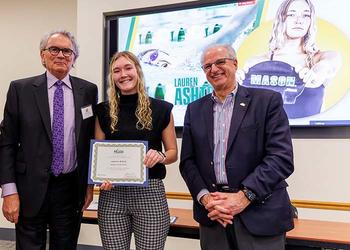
pixel 69 175
pixel 226 189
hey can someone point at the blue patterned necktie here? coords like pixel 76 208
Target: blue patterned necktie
pixel 58 130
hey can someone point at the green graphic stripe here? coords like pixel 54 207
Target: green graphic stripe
pixel 261 4
pixel 131 32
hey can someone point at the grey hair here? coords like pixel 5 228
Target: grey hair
pixel 231 53
pixel 69 35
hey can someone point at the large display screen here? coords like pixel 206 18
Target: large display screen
pixel 299 48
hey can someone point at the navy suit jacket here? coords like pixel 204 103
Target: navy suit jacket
pixel 26 142
pixel 259 157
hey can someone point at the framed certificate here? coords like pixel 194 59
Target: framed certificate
pixel 120 162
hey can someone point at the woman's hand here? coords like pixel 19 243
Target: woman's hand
pixel 152 158
pixel 323 71
pixel 106 185
pixel 240 75
pixel 309 77
pixel 314 77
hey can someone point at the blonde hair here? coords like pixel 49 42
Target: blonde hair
pixel 278 35
pixel 143 111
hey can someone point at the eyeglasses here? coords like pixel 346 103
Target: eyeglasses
pixel 54 51
pixel 218 63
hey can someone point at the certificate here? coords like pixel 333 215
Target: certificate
pixel 120 162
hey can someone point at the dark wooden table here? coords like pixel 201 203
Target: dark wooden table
pixel 307 234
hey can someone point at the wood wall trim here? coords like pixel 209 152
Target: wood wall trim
pixel 178 196
pixel 327 205
pixel 298 203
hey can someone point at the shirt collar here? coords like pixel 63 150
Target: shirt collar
pixel 232 94
pixel 51 80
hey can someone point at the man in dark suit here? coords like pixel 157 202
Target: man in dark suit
pixel 236 154
pixel 44 149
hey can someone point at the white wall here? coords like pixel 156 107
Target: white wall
pixel 22 24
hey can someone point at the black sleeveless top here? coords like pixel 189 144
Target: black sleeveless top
pixel 126 127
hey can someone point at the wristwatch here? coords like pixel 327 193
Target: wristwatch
pixel 251 196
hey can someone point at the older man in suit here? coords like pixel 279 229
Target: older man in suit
pixel 44 150
pixel 236 155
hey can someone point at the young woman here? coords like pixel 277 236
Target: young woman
pixel 293 41
pixel 130 114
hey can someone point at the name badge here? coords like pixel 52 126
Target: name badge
pixel 87 112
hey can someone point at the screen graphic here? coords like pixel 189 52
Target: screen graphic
pixel 295 47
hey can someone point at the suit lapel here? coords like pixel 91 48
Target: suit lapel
pixel 78 93
pixel 209 121
pixel 242 101
pixel 42 100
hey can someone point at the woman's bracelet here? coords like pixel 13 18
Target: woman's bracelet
pixel 162 155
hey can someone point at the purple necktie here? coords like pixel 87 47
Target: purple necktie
pixel 58 130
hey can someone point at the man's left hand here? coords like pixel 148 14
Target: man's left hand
pixel 227 204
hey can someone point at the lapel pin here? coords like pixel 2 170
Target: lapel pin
pixel 242 104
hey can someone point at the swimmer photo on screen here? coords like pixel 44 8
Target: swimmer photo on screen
pixel 298 48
